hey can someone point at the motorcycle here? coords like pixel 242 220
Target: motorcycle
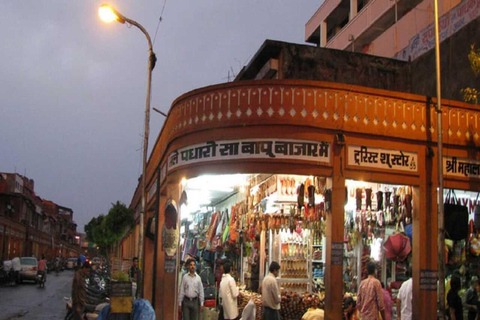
pixel 96 295
pixel 41 279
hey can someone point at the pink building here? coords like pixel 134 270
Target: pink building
pixel 389 28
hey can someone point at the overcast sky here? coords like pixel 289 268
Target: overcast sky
pixel 72 91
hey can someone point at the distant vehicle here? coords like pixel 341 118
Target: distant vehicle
pixel 50 265
pixel 71 263
pixel 28 269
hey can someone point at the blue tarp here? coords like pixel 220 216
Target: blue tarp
pixel 142 310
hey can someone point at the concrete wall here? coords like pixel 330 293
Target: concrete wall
pixel 304 62
pixel 312 63
pixel 455 66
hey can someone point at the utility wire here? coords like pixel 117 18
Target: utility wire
pixel 159 20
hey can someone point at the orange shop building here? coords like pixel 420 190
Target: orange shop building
pixel 353 144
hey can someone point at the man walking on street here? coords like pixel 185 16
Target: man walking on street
pixel 191 297
pixel 228 294
pixel 42 268
pixel 370 296
pixel 16 269
pixel 271 293
pixel 404 300
pixel 79 291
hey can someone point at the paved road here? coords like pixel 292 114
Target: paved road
pixel 29 302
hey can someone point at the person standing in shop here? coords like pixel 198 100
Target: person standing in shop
pixel 404 299
pixel 228 294
pixel 387 302
pixel 271 293
pixel 370 296
pixel 454 301
pixel 472 299
pixel 255 265
pixel 191 297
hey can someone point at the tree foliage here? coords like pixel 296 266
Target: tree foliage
pixel 471 94
pixel 106 230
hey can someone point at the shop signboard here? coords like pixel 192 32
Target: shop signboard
pixel 163 173
pixel 448 24
pixel 362 156
pixel 461 167
pixel 170 264
pixel 314 151
pixel 428 280
pixel 337 253
pixel 152 191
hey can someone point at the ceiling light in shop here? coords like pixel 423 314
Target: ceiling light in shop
pixel 225 183
pixel 376 248
pixel 184 182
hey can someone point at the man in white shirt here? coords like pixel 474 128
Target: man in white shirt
pixel 271 293
pixel 191 293
pixel 404 301
pixel 228 294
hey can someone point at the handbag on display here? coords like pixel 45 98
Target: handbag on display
pixel 456 218
pixel 476 215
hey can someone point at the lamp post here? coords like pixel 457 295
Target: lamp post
pixel 440 208
pixel 108 14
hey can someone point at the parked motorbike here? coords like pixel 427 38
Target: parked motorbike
pixel 97 296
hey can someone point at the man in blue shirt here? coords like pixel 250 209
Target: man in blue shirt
pixel 191 297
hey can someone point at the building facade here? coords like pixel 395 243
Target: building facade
pixel 30 225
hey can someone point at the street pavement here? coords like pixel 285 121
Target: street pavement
pixel 29 302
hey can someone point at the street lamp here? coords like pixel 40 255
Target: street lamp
pixel 109 14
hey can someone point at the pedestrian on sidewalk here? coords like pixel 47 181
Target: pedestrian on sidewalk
pixel 16 265
pixel 191 298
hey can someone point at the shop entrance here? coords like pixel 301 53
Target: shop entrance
pixel 378 227
pixel 251 220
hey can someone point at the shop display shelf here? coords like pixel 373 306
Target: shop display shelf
pixel 294 280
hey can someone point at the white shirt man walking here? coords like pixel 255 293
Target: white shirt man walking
pixel 191 297
pixel 271 293
pixel 228 294
pixel 404 301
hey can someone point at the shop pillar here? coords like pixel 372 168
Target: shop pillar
pixel 334 238
pixel 165 277
pixel 159 275
pixel 424 247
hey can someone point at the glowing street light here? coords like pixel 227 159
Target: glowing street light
pixel 109 14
